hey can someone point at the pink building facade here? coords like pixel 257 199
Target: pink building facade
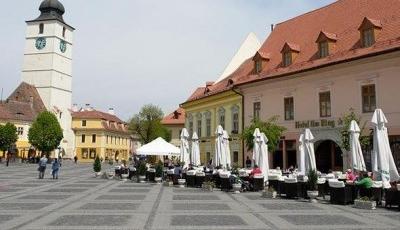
pixel 300 101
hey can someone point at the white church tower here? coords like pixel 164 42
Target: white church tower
pixel 48 64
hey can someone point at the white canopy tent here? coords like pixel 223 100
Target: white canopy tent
pixel 256 147
pixel 309 151
pixel 219 148
pixel 382 159
pixel 227 150
pixel 357 158
pixel 264 161
pixel 302 156
pixel 158 147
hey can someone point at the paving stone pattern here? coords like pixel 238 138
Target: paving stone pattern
pixel 79 201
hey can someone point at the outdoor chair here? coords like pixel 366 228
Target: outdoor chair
pixel 191 178
pixel 340 193
pixel 321 187
pixel 281 186
pixel 151 174
pixel 377 192
pixel 290 187
pixel 273 182
pixel 302 186
pixel 217 180
pixel 258 182
pixel 225 181
pixel 392 197
pixel 200 178
pixel 170 174
pixel 175 178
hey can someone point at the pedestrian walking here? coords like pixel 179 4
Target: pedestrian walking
pixel 76 159
pixel 55 167
pixel 42 166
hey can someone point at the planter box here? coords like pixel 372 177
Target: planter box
pixel 362 204
pixel 269 194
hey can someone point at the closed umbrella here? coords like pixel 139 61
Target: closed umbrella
pixel 264 163
pixel 195 150
pixel 382 158
pixel 309 151
pixel 227 149
pixel 302 156
pixel 256 147
pixel 185 147
pixel 357 158
pixel 219 148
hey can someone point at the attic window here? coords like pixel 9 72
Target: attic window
pixel 325 43
pixel 369 30
pixel 230 82
pixel 259 59
pixel 289 52
pixel 258 66
pixel 323 49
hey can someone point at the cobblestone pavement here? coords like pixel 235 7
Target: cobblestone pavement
pixel 79 201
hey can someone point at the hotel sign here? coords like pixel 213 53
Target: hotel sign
pixel 323 123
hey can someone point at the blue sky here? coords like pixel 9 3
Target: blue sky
pixel 128 53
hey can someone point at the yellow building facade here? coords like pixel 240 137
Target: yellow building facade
pixel 100 134
pixel 203 116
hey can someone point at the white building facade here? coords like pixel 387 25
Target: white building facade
pixel 48 64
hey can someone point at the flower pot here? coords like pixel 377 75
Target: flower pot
pixel 236 188
pixel 142 179
pixel 158 180
pixel 365 204
pixel 313 195
pixel 124 177
pixel 269 194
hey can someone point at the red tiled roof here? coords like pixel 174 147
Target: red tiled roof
pixel 175 118
pixel 24 104
pixel 95 114
pixel 341 18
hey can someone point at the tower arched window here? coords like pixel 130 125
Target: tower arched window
pixel 41 28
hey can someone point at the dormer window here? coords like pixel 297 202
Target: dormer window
pixel 289 53
pixel 325 43
pixel 369 30
pixel 260 59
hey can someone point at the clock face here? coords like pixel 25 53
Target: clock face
pixel 63 46
pixel 40 43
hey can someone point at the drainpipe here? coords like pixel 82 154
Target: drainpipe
pixel 242 126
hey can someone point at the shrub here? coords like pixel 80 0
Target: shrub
pixel 97 164
pixel 159 169
pixel 142 168
pixel 312 180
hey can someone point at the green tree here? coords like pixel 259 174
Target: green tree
pixel 345 133
pixel 97 164
pixel 147 124
pixel 272 130
pixel 45 133
pixel 8 136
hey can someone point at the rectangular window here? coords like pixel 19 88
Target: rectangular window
pixel 83 138
pixel 368 37
pixel 208 127
pixel 256 110
pixel 41 28
pixel 323 49
pixel 199 128
pixel 94 138
pixel 20 131
pixel 368 98
pixel 83 123
pixel 92 153
pixel 235 157
pixel 258 66
pixel 287 58
pixel 222 120
pixel 289 108
pixel 325 104
pixel 235 125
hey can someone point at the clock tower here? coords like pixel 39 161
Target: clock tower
pixel 48 64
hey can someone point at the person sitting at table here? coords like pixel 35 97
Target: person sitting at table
pixel 177 170
pixel 365 182
pixel 350 176
pixel 256 170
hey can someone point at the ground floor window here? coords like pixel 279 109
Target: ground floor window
pixel 85 153
pixel 235 157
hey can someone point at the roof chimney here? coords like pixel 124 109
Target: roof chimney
pixel 272 27
pixel 111 111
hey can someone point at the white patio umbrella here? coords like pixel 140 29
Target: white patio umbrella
pixel 256 147
pixel 264 163
pixel 382 158
pixel 309 151
pixel 227 149
pixel 219 148
pixel 302 156
pixel 357 158
pixel 195 154
pixel 184 147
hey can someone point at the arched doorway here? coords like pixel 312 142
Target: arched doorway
pixel 116 157
pixel 328 156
